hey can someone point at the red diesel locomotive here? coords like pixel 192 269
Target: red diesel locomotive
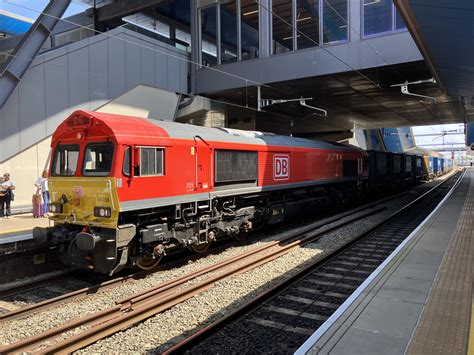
pixel 126 190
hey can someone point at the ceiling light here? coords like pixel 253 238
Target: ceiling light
pixel 253 12
pixel 371 3
pixel 304 18
pixel 290 37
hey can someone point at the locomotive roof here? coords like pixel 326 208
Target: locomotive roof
pixel 187 131
pixel 125 128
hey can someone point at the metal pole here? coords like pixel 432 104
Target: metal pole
pixel 259 98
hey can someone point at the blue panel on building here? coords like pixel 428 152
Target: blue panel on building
pixel 13 26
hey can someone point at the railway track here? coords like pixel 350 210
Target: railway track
pixel 282 318
pixel 155 300
pixel 59 288
pixel 134 309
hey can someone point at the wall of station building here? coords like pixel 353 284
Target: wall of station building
pixel 85 75
pixel 25 167
pixel 118 72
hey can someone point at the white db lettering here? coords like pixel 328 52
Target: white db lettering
pixel 281 167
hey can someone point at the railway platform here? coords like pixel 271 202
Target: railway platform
pixel 18 228
pixel 419 301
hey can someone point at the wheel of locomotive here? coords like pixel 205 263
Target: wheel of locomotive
pixel 147 262
pixel 200 248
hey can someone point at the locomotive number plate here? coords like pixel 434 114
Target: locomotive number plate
pixel 102 199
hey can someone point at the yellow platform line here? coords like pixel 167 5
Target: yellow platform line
pixel 16 230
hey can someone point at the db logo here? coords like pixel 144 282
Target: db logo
pixel 281 167
pixel 78 191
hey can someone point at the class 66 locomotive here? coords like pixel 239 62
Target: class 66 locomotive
pixel 125 191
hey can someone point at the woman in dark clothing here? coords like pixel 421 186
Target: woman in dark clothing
pixel 6 195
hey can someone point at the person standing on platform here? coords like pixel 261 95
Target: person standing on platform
pixel 42 184
pixel 6 195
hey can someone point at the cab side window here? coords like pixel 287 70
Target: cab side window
pixel 151 161
pixel 126 162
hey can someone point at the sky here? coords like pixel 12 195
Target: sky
pixel 32 8
pixel 437 135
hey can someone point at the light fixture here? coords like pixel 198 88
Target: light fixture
pixel 371 3
pixel 304 18
pixel 290 37
pixel 250 12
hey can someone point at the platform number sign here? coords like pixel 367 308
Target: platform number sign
pixel 281 167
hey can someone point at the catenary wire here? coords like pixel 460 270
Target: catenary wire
pixel 348 65
pixel 377 53
pixel 318 45
pixel 376 85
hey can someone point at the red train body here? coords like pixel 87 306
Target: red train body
pixel 138 187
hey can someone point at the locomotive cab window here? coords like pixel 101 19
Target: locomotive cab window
pixel 127 163
pixel 98 159
pixel 65 160
pixel 151 161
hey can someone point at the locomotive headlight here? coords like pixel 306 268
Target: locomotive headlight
pixel 56 208
pixel 103 212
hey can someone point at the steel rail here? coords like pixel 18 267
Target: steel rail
pixel 83 292
pixel 155 300
pixel 194 339
pixel 31 284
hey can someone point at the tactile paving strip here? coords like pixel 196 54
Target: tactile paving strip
pixel 444 325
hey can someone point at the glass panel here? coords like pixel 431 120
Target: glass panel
pixel 282 26
pixel 334 20
pixel 65 160
pixel 147 161
pixel 98 159
pixel 126 162
pixel 228 33
pixel 208 35
pixel 159 162
pixel 249 29
pixel 377 16
pixel 183 36
pixel 148 23
pixel 183 40
pixel 399 23
pixel 307 22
